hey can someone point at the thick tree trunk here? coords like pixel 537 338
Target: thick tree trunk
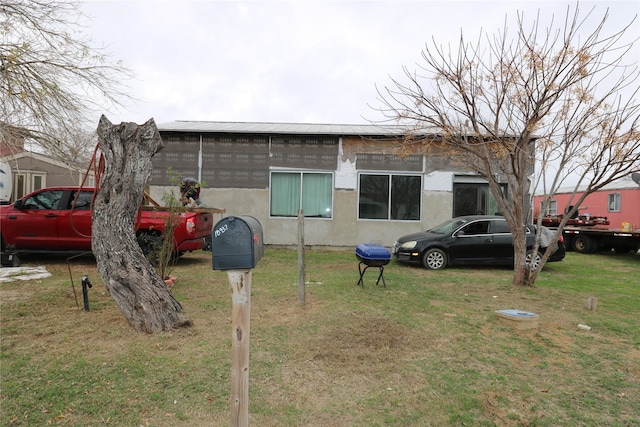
pixel 522 270
pixel 139 292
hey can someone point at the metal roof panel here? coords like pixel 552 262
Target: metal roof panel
pixel 282 128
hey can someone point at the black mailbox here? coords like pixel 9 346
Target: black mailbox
pixel 236 243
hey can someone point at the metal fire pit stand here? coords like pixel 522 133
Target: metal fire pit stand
pixel 362 271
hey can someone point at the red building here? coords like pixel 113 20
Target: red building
pixel 618 201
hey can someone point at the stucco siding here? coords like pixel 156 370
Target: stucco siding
pixel 344 230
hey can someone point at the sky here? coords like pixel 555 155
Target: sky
pixel 289 61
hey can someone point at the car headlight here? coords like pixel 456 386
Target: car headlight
pixel 409 245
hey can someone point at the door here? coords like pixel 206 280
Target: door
pixel 35 225
pixel 74 225
pixel 472 243
pixel 502 248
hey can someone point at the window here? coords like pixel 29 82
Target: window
pixel 309 191
pixel 614 202
pixel 25 183
pixel 500 227
pixel 395 197
pixel 470 198
pixel 19 186
pixel 37 182
pixel 44 200
pixel 83 202
pixel 552 209
pixel 476 228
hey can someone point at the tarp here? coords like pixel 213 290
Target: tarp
pixel 9 274
pixel 546 235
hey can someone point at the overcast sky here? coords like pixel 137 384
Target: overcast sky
pixel 297 61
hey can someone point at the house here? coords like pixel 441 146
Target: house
pixel 32 171
pixel 619 201
pixel 349 180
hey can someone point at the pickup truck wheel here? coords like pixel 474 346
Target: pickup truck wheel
pixel 583 244
pixel 8 259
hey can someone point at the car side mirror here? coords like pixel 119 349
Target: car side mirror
pixel 460 233
pixel 17 204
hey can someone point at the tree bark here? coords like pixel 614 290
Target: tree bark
pixel 521 270
pixel 140 293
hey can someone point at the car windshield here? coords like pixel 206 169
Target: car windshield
pixel 448 226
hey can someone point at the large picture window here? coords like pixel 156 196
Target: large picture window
pixel 474 199
pixel 309 191
pixel 386 196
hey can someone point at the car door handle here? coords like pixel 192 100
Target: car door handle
pixel 50 215
pixel 488 240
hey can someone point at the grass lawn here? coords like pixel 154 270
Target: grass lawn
pixel 426 350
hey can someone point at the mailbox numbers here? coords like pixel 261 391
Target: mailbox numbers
pixel 220 231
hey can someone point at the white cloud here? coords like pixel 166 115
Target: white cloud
pixel 307 61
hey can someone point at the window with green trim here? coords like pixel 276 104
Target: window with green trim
pixel 310 191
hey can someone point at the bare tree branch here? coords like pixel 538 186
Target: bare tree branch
pixel 556 94
pixel 52 80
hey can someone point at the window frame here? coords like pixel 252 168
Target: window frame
pixel 301 173
pixel 42 184
pixel 390 176
pixel 615 200
pixel 552 209
pixel 44 196
pixel 24 182
pixel 481 191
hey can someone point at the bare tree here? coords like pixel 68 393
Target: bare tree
pixel 51 82
pixel 75 149
pixel 138 290
pixel 51 78
pixel 550 94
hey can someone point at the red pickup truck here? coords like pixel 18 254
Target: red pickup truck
pixel 55 220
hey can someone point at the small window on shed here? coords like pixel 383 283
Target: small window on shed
pixel 552 208
pixel 614 202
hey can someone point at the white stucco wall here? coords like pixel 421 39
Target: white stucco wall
pixel 343 230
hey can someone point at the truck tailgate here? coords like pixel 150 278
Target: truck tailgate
pixel 204 224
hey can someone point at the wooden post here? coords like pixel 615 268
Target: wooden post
pixel 301 282
pixel 240 281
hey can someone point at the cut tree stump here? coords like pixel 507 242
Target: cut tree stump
pixel 140 293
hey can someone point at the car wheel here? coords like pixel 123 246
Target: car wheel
pixel 434 259
pixel 533 259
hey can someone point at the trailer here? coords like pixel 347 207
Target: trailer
pixel 587 234
pixel 588 240
pixel 5 183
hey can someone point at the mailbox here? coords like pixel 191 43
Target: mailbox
pixel 236 243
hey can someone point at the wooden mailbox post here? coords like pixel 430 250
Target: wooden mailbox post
pixel 237 246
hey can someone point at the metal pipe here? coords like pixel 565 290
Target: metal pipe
pixel 85 292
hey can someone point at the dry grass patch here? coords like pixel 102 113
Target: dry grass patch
pixel 425 350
